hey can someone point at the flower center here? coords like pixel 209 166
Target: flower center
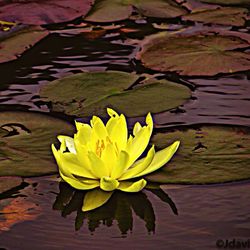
pixel 100 146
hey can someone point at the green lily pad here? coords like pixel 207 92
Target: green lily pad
pixel 19 39
pixel 88 94
pixel 223 15
pixel 7 183
pixel 40 12
pixel 196 55
pixel 25 149
pixel 228 2
pixel 116 10
pixel 207 154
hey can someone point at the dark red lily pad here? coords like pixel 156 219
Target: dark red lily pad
pixel 207 54
pixel 43 11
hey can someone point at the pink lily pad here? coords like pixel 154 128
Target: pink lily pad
pixel 40 12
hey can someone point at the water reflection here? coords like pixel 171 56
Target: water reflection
pixel 119 209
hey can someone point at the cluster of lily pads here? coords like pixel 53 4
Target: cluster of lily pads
pixel 208 154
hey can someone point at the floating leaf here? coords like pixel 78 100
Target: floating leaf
pixel 87 94
pixel 19 39
pixel 25 150
pixel 208 154
pixel 196 54
pixel 224 16
pixel 7 183
pixel 228 2
pixel 116 10
pixel 43 11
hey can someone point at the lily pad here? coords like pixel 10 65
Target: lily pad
pixel 116 10
pixel 19 39
pixel 196 55
pixel 43 11
pixel 88 94
pixel 25 148
pixel 7 183
pixel 208 154
pixel 224 15
pixel 228 2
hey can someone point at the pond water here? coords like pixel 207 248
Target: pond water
pixel 175 217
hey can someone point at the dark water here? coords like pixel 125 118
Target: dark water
pixel 138 221
pixel 219 99
pixel 205 213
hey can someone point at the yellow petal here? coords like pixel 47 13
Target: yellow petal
pixel 84 132
pixel 94 199
pixel 68 175
pixel 121 165
pixel 98 167
pixel 69 164
pixel 108 184
pixel 82 155
pixel 112 113
pixel 117 129
pixel 62 146
pixel 109 157
pixel 137 128
pixel 99 128
pixel 140 141
pixel 75 183
pixel 137 186
pixel 161 158
pixel 138 145
pixel 149 120
pixel 69 143
pixel 139 166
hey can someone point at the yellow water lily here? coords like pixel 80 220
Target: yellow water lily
pixel 104 157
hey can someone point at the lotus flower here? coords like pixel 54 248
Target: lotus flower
pixel 105 157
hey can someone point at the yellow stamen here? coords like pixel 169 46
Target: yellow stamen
pixel 99 147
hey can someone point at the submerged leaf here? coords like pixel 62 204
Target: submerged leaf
pixel 87 94
pixel 208 154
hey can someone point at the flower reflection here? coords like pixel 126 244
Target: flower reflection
pixel 120 208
